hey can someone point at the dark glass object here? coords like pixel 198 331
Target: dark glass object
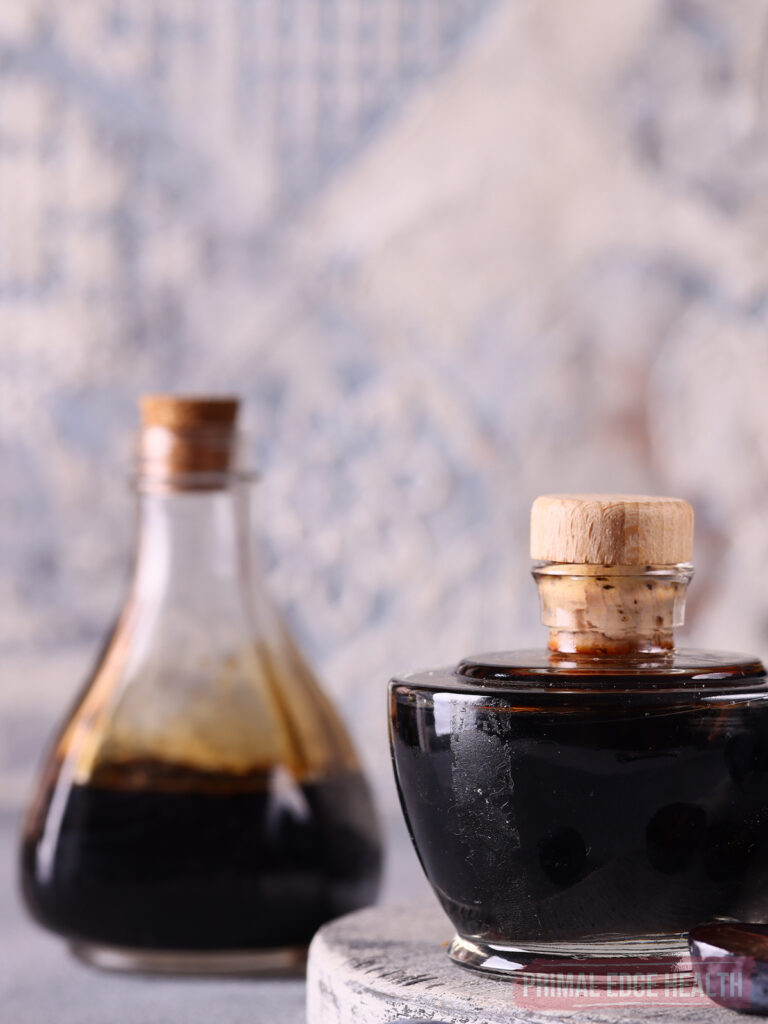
pixel 597 799
pixel 731 961
pixel 568 809
pixel 202 807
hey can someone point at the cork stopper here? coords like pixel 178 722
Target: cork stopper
pixel 188 412
pixel 188 442
pixel 611 529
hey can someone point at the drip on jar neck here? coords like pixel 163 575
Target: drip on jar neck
pixel 612 610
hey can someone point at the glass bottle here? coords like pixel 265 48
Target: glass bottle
pixel 601 797
pixel 202 807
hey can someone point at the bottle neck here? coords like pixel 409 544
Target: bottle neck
pixel 194 550
pixel 613 611
pixel 194 540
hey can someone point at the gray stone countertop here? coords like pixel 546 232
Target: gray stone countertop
pixel 41 983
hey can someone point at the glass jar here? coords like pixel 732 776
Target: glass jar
pixel 598 798
pixel 201 807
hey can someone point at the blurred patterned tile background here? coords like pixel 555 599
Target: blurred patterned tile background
pixel 453 253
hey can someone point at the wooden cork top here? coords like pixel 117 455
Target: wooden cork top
pixel 188 442
pixel 611 529
pixel 188 412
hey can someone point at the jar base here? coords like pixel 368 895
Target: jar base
pixel 266 962
pixel 653 956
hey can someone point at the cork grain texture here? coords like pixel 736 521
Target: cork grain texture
pixel 611 529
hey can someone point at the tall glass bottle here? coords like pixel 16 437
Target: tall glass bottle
pixel 202 807
pixel 603 796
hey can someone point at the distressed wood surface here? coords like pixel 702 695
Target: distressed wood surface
pixel 388 964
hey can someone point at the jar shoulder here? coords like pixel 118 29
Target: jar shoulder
pixel 685 670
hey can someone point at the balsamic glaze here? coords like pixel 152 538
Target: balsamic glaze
pixel 552 816
pixel 250 866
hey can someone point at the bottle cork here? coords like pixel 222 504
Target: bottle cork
pixel 187 440
pixel 611 529
pixel 188 412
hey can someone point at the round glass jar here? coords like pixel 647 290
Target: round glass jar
pixel 601 797
pixel 557 812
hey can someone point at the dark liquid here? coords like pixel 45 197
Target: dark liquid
pixel 546 816
pixel 205 870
